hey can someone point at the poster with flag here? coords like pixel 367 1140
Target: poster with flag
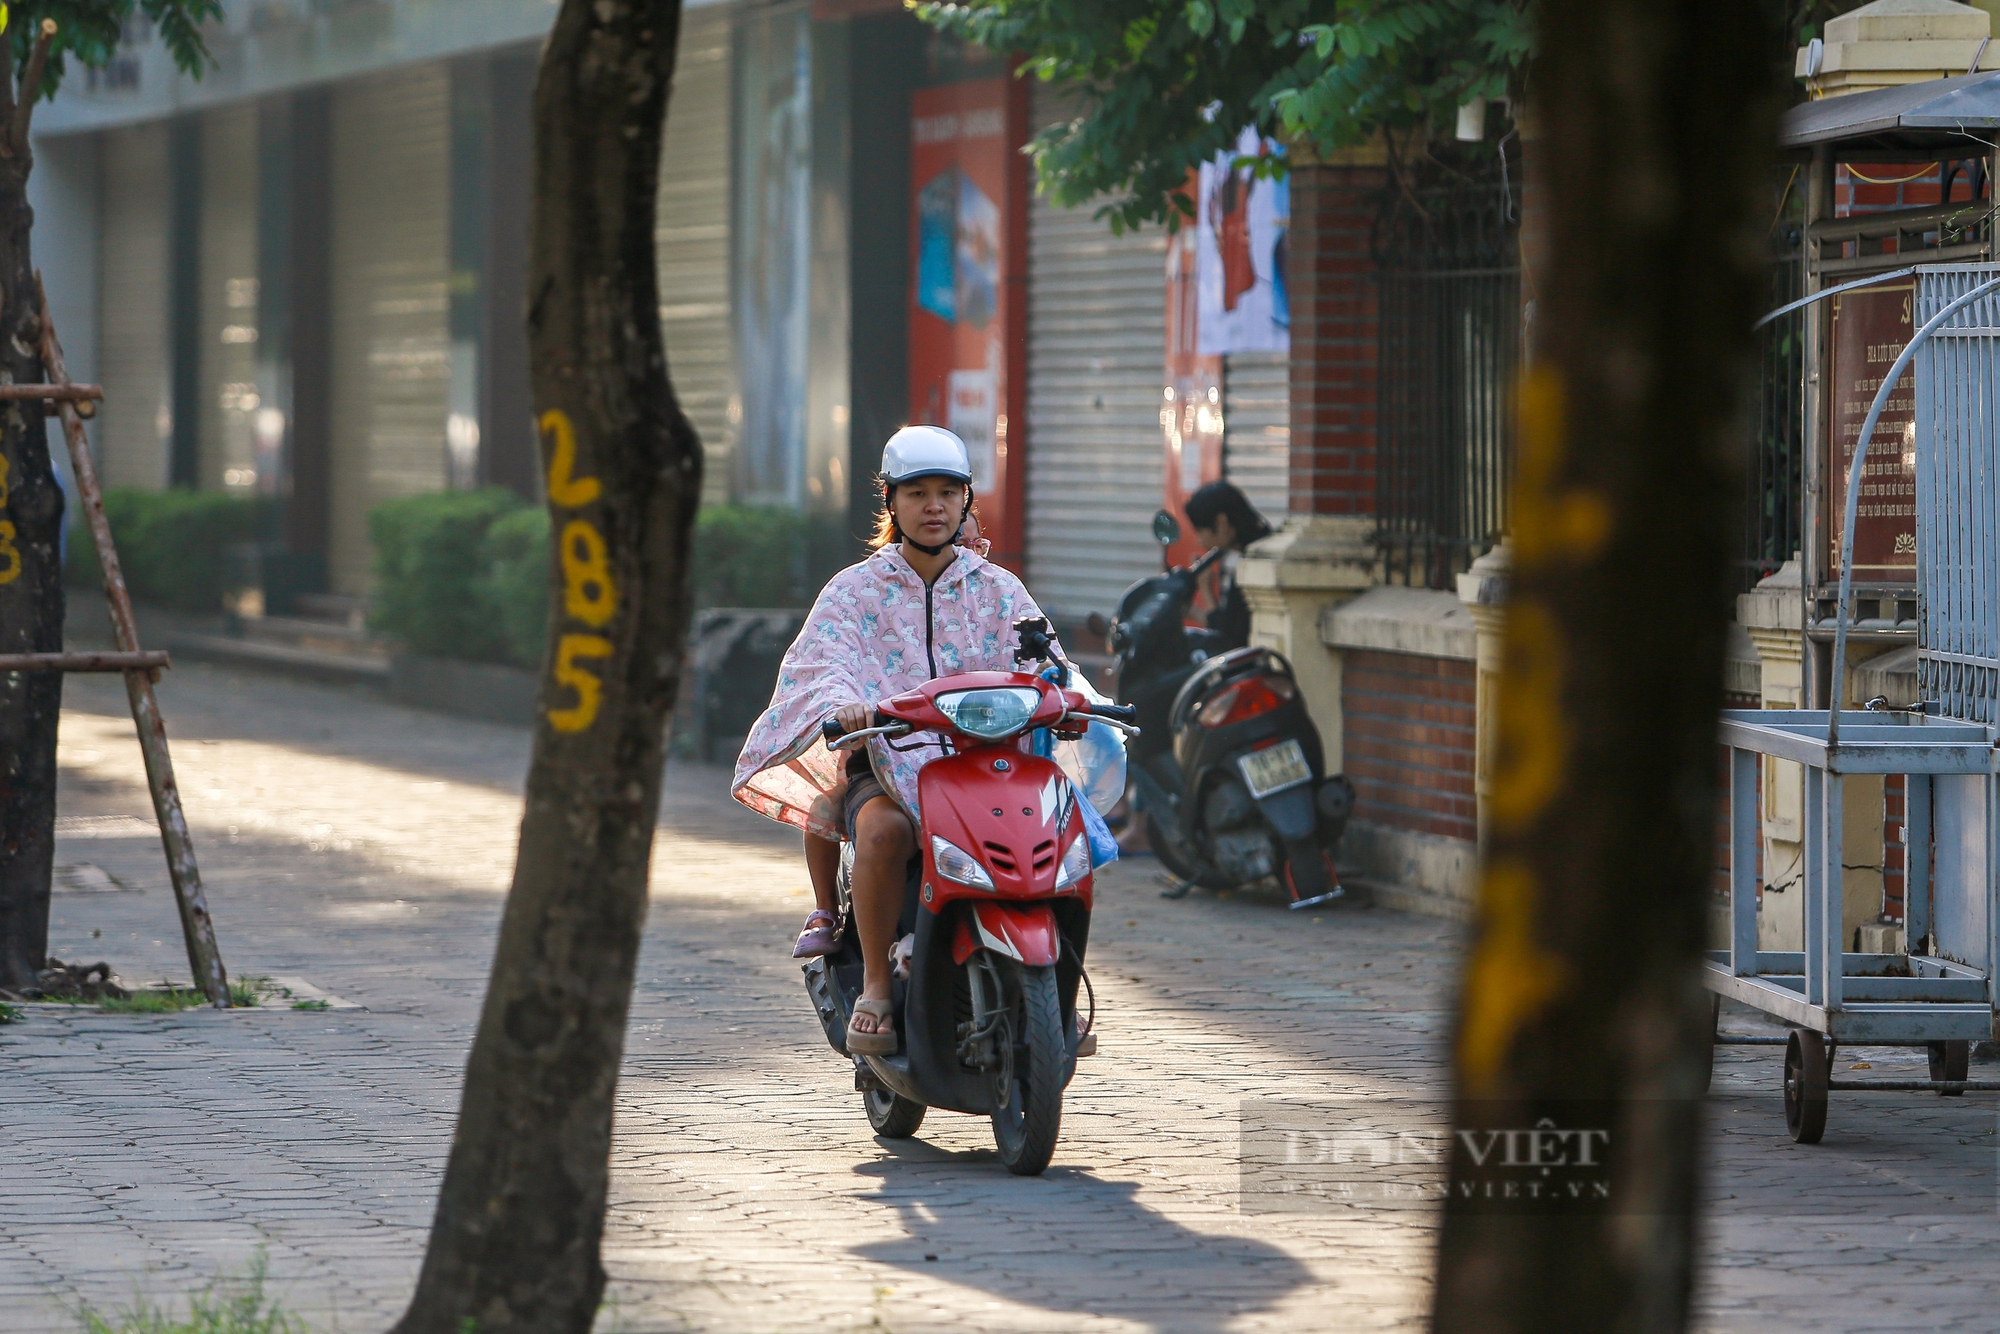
pixel 1242 222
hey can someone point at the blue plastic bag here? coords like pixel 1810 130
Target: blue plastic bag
pixel 1095 764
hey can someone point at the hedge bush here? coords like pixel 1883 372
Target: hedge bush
pixel 750 556
pixel 461 574
pixel 465 574
pixel 515 585
pixel 427 572
pixel 172 545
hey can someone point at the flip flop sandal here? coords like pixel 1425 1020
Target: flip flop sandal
pixel 882 1042
pixel 817 940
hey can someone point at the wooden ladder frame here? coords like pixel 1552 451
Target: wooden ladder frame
pixel 139 666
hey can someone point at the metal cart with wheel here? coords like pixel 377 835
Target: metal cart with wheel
pixel 1940 994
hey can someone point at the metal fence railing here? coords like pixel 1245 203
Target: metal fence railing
pixel 1958 498
pixel 1769 531
pixel 1449 331
pixel 1449 326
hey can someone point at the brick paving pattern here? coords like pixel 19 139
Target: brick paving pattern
pixel 365 848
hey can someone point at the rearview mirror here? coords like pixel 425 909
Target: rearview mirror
pixel 1166 528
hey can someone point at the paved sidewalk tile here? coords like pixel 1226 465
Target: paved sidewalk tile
pixel 366 849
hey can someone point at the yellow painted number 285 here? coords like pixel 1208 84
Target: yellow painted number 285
pixel 10 555
pixel 590 594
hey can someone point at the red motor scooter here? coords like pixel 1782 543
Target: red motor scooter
pixel 998 901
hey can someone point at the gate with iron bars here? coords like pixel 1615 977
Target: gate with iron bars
pixel 1449 331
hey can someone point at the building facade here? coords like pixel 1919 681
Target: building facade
pixel 300 277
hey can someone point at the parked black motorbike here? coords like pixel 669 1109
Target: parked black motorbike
pixel 1227 768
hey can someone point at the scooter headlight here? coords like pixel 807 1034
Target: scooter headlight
pixel 1075 863
pixel 955 863
pixel 990 714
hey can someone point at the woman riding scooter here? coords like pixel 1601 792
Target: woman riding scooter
pixel 916 609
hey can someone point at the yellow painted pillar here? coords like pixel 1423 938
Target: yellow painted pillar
pixel 1484 589
pixel 1290 579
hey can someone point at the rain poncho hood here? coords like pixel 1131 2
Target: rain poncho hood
pixel 875 631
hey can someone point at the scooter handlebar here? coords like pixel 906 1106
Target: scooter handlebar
pixel 839 738
pixel 1118 713
pixel 1208 558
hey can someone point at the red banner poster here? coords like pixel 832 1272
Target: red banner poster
pixel 967 314
pixel 1191 401
pixel 1870 330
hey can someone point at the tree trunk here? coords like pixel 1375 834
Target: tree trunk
pixel 1582 1003
pixel 515 1243
pixel 31 595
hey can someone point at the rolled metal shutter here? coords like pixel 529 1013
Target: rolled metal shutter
pixel 1257 431
pixel 691 242
pixel 391 307
pixel 136 420
pixel 1096 347
pixel 229 330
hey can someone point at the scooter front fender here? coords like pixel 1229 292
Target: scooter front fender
pixel 1023 932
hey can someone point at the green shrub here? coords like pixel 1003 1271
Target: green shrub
pixel 427 571
pixel 465 574
pixel 515 584
pixel 749 556
pixel 172 545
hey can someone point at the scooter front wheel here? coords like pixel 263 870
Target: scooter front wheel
pixel 1025 1129
pixel 891 1114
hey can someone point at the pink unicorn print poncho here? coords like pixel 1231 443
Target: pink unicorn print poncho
pixel 875 631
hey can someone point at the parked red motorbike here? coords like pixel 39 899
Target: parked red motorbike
pixel 998 901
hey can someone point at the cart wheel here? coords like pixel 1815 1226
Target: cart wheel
pixel 1714 1027
pixel 1948 1061
pixel 1805 1086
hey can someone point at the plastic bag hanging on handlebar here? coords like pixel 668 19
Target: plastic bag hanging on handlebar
pixel 1095 764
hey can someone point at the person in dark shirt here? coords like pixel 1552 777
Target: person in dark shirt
pixel 1222 516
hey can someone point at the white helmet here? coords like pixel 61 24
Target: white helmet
pixel 925 451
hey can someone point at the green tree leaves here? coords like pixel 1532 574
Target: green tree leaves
pixel 1168 84
pixel 89 30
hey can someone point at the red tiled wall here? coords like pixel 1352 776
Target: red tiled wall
pixel 1865 188
pixel 1331 280
pixel 1409 731
pixel 1860 188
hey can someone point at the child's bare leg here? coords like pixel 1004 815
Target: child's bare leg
pixel 822 929
pixel 823 865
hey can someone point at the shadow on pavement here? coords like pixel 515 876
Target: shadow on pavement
pixel 1076 1243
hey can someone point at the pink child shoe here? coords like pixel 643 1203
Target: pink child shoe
pixel 821 936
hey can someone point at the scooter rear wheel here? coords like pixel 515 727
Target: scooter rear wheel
pixel 1025 1130
pixel 891 1114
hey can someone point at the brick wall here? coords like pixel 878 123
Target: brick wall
pixel 1409 734
pixel 1330 276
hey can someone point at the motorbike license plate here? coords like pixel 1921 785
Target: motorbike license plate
pixel 1274 768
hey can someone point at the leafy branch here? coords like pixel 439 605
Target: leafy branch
pixel 1165 85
